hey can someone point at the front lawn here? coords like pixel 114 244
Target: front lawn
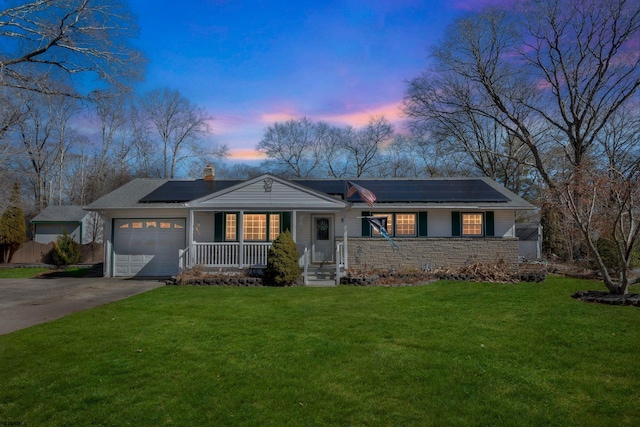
pixel 33 272
pixel 450 353
pixel 21 272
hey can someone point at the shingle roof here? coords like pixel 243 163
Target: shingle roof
pixel 481 192
pixel 128 195
pixel 527 230
pixel 69 213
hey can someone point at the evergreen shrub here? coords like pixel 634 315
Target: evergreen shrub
pixel 282 262
pixel 66 251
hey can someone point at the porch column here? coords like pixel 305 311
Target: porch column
pixel 345 249
pixel 294 226
pixel 190 247
pixel 241 239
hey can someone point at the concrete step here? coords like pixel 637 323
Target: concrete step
pixel 321 283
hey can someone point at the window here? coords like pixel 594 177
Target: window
pixel 389 216
pixel 231 221
pixel 255 227
pixel 274 226
pixel 472 224
pixel 405 224
pixel 399 224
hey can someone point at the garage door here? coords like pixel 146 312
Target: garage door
pixel 147 247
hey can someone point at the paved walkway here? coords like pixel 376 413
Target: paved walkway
pixel 28 302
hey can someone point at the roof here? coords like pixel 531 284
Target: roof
pixel 185 191
pixel 527 230
pixel 128 195
pixel 69 213
pixel 414 190
pixel 436 192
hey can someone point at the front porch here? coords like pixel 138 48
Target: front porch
pixel 243 255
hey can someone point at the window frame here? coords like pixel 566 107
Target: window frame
pixel 394 224
pixel 482 224
pixel 268 225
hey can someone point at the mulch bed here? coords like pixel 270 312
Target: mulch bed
pixel 601 297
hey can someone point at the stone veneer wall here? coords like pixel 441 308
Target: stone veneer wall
pixel 367 253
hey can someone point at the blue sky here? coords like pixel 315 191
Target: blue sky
pixel 251 63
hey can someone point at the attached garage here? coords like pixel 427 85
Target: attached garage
pixel 147 247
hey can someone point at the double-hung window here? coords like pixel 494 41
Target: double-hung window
pixel 398 224
pixel 472 224
pixel 256 227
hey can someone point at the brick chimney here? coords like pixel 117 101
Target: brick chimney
pixel 209 173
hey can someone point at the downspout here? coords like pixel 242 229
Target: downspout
pixel 190 246
pixel 241 240
pixel 345 250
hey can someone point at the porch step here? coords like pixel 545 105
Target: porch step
pixel 321 283
pixel 324 275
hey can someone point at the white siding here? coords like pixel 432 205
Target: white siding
pixel 92 223
pixel 281 197
pixel 439 223
pixel 504 222
pixel 203 227
pixel 303 229
pixel 46 233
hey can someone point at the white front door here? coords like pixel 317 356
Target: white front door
pixel 322 238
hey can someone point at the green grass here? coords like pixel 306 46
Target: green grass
pixel 31 272
pixel 443 354
pixel 21 273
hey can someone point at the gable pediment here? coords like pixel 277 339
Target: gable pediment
pixel 268 193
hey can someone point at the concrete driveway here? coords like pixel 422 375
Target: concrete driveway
pixel 28 302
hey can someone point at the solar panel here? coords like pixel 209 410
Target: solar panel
pixel 414 190
pixel 386 191
pixel 185 191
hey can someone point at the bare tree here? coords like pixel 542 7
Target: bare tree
pixel 60 111
pixel 42 41
pixel 333 156
pixel 181 127
pixel 552 76
pixel 10 116
pixel 362 146
pixel 36 135
pixel 294 148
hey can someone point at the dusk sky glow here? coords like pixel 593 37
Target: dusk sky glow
pixel 251 63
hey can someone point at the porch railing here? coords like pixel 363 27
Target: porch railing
pixel 230 254
pixel 183 259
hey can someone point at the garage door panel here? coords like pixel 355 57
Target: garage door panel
pixel 142 248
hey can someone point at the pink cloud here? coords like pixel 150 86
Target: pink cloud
pixel 361 118
pixel 279 116
pixel 245 154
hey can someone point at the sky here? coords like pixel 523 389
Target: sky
pixel 252 63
